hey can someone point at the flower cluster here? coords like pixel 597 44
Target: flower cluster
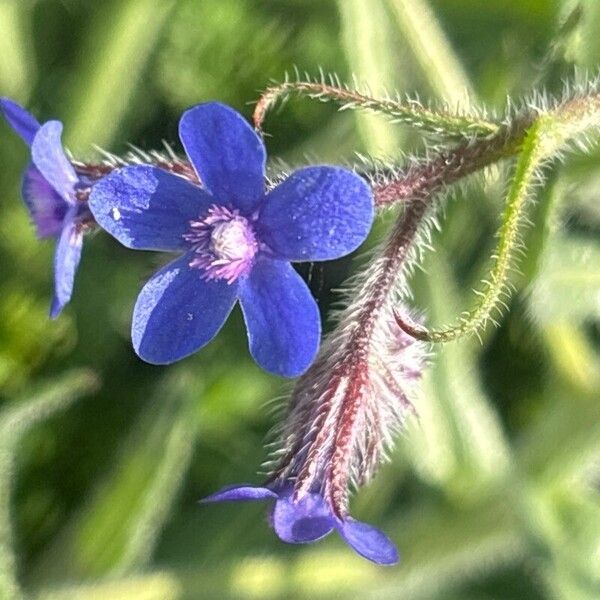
pixel 236 240
pixel 236 237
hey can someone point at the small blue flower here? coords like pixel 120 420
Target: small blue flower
pixel 49 190
pixel 236 240
pixel 309 518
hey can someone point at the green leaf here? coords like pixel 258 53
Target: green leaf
pixel 583 45
pixel 111 66
pixel 569 418
pixel 432 51
pixel 27 336
pixel 372 58
pixel 17 68
pixel 150 586
pixel 196 65
pixel 566 519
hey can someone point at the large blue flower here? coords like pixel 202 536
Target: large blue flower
pixel 310 518
pixel 236 240
pixel 49 189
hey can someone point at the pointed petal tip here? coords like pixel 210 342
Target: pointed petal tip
pixel 66 261
pixel 24 124
pixel 239 493
pixel 56 308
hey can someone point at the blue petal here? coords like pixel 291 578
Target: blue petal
pixel 46 207
pixel 23 122
pixel 66 261
pixel 237 493
pixel 318 213
pixel 50 159
pixel 178 312
pixel 306 520
pixel 147 208
pixel 369 542
pixel 282 318
pixel 229 157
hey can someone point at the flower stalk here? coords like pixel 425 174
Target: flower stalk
pixel 543 139
pixel 524 179
pixel 441 123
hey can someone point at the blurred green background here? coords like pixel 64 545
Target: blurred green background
pixel 493 493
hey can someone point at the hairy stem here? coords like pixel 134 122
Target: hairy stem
pixel 508 240
pixel 447 167
pixel 410 112
pixel 572 119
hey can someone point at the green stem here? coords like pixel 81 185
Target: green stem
pixel 410 112
pixel 504 257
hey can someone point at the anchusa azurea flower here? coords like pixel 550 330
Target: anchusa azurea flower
pixel 236 242
pixel 55 195
pixel 301 519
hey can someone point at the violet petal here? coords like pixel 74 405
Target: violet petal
pixel 50 159
pixel 178 312
pixel 282 318
pixel 23 123
pixel 146 208
pixel 240 493
pixel 369 542
pixel 66 261
pixel 318 213
pixel 46 208
pixel 306 520
pixel 227 154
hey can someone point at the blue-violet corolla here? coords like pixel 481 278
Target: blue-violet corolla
pixel 236 241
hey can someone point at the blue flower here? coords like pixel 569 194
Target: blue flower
pixel 236 240
pixel 50 186
pixel 309 518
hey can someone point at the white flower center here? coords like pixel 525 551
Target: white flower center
pixel 232 240
pixel 224 244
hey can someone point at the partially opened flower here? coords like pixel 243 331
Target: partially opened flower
pixel 50 191
pixel 340 423
pixel 308 518
pixel 236 241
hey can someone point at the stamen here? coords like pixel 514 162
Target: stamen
pixel 224 244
